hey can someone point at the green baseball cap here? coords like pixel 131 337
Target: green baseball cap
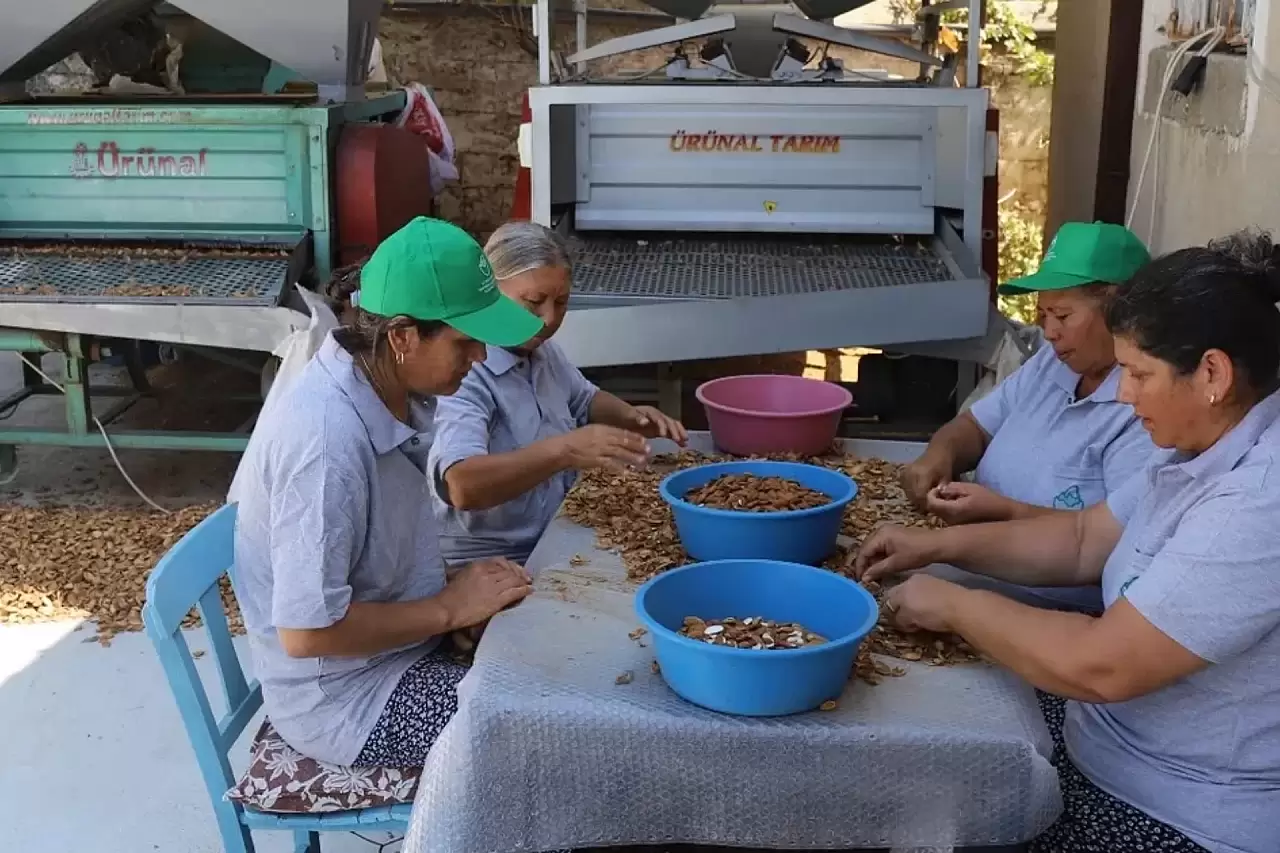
pixel 1084 253
pixel 433 270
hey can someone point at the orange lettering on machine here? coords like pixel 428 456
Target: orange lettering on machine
pixel 713 142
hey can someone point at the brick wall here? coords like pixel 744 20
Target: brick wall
pixel 474 63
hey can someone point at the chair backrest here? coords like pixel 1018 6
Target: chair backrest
pixel 188 576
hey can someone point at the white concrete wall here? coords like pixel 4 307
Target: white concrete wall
pixel 1216 164
pixel 1079 86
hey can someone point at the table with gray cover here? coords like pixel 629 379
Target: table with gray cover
pixel 549 751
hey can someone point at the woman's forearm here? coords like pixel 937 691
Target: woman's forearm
pixel 372 627
pixel 1046 648
pixel 1045 550
pixel 488 480
pixel 611 410
pixel 1019 511
pixel 958 445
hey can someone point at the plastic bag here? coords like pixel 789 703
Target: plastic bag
pixel 295 353
pixel 421 116
pixel 377 70
pixel 1019 343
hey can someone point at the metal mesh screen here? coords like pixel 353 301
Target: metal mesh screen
pixel 711 268
pixel 211 277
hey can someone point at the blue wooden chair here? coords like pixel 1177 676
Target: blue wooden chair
pixel 187 576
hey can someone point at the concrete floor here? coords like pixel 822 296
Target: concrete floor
pixel 94 748
pixel 89 476
pixel 92 742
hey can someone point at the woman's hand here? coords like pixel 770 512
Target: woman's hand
pixel 892 550
pixel 653 423
pixel 483 588
pixel 921 477
pixel 600 446
pixel 968 503
pixel 923 603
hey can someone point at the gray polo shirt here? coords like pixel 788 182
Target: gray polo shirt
pixel 1200 560
pixel 333 508
pixel 1049 449
pixel 507 402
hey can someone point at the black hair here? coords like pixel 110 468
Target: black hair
pixel 362 331
pixel 1221 297
pixel 341 285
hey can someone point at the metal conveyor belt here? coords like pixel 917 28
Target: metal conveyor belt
pixel 147 275
pixel 634 268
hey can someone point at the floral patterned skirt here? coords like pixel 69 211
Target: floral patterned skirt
pixel 420 707
pixel 1092 820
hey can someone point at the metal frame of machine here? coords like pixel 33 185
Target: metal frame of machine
pixel 950 314
pixel 972 100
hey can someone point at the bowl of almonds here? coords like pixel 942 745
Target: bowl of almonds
pixel 758 509
pixel 759 638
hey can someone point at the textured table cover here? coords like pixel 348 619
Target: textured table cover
pixel 548 751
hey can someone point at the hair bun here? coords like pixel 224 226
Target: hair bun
pixel 1272 272
pixel 342 284
pixel 1253 249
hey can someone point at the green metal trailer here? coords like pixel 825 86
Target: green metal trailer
pixel 181 223
pixel 171 223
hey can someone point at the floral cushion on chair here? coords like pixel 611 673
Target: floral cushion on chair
pixel 281 779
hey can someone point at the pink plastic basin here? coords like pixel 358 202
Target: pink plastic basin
pixel 760 414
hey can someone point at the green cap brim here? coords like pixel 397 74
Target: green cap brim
pixel 502 324
pixel 1042 281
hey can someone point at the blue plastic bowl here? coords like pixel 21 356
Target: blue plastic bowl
pixel 796 536
pixel 750 682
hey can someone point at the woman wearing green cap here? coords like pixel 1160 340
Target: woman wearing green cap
pixel 1170 736
pixel 1053 435
pixel 338 565
pixel 510 443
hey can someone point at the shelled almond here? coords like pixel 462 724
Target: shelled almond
pixel 752 493
pixel 750 632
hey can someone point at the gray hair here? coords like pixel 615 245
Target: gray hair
pixel 1250 246
pixel 520 247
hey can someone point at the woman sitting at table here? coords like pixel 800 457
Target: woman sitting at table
pixel 511 441
pixel 1053 434
pixel 1171 739
pixel 338 566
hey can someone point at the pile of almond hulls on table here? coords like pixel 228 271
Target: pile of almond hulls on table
pixel 629 517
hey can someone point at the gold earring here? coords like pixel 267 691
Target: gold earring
pixel 1213 399
pixel 399 357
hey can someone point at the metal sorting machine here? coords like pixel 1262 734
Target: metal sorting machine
pixel 752 195
pixel 133 225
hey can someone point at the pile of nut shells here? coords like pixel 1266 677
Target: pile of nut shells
pixel 630 518
pixel 72 563
pixel 141 251
pixel 752 493
pixel 134 288
pixel 750 632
